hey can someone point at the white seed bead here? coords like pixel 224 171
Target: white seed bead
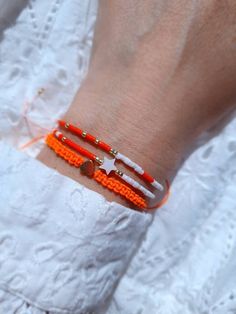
pixel 138 186
pixel 157 185
pixel 57 133
pixel 130 163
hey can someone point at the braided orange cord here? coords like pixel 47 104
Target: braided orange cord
pixel 64 152
pixel 108 182
pixel 119 188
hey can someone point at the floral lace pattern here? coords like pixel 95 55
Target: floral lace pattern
pixel 63 247
pixel 186 263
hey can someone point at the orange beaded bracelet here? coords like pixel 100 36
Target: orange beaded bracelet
pixel 108 165
pixel 117 155
pixel 108 182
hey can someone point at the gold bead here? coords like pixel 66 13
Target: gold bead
pixel 113 152
pixel 41 91
pixel 63 139
pixel 67 125
pixel 97 141
pixel 98 160
pixel 120 173
pixel 84 134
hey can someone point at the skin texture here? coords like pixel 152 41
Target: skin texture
pixel 161 73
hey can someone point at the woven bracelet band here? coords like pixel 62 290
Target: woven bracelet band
pixel 124 184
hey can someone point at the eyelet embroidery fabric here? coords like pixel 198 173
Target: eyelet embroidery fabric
pixel 63 254
pixel 185 263
pixel 188 266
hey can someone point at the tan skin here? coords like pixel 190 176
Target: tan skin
pixel 161 73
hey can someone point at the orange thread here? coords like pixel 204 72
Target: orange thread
pixel 31 142
pixel 27 107
pixel 165 198
pixel 108 182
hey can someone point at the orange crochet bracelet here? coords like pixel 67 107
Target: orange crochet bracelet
pixel 108 182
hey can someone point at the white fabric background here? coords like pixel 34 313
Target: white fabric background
pixel 77 253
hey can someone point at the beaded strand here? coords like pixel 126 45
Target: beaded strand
pixel 107 148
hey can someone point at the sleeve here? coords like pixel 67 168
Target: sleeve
pixel 63 247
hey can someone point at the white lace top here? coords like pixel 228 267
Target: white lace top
pixel 64 248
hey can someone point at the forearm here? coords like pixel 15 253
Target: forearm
pixel 141 93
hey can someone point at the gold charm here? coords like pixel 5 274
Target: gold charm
pixel 88 168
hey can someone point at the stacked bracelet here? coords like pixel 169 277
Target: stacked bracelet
pixel 108 182
pixel 105 164
pixel 130 189
pixel 107 148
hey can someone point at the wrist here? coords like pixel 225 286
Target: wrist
pixel 123 134
pixel 131 128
